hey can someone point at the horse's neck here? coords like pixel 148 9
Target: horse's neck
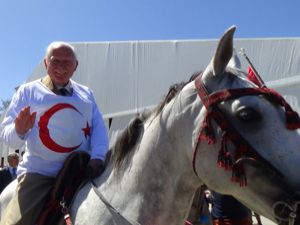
pixel 158 180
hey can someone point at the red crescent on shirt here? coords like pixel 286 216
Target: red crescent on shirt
pixel 44 131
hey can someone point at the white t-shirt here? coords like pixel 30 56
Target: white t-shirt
pixel 63 124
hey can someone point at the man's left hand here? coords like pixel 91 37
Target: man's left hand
pixel 95 167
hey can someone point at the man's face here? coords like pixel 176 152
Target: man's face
pixel 60 65
pixel 14 161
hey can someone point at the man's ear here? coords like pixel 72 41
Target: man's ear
pixel 76 65
pixel 45 63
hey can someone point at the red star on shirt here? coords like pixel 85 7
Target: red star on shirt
pixel 86 130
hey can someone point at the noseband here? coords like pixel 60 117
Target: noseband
pixel 242 147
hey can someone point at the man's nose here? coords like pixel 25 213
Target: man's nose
pixel 61 67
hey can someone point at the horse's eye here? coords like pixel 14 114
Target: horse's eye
pixel 248 115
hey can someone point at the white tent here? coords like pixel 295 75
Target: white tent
pixel 128 77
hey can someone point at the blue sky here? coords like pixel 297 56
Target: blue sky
pixel 28 26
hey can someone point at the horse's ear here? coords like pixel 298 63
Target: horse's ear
pixel 234 61
pixel 224 52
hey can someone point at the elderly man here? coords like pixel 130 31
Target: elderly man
pixel 53 116
pixel 8 174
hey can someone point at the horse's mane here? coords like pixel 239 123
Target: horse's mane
pixel 129 136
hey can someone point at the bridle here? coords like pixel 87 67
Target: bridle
pixel 242 146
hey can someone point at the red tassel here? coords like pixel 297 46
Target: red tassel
pixel 224 157
pixel 207 133
pixel 239 174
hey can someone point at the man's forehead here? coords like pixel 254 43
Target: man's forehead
pixel 61 57
pixel 13 156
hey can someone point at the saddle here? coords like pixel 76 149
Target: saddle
pixel 68 180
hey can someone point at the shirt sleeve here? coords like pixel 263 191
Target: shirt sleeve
pixel 99 137
pixel 7 130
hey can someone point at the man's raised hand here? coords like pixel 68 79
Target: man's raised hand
pixel 24 121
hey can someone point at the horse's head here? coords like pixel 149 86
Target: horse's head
pixel 255 133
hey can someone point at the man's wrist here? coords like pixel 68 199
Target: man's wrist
pixel 21 136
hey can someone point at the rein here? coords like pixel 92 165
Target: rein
pixel 111 207
pixel 242 146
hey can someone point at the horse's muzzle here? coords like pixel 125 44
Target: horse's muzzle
pixel 287 212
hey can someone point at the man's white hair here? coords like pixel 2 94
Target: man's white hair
pixel 57 44
pixel 12 155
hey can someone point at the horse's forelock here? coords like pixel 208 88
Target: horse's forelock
pixel 236 72
pixel 239 77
